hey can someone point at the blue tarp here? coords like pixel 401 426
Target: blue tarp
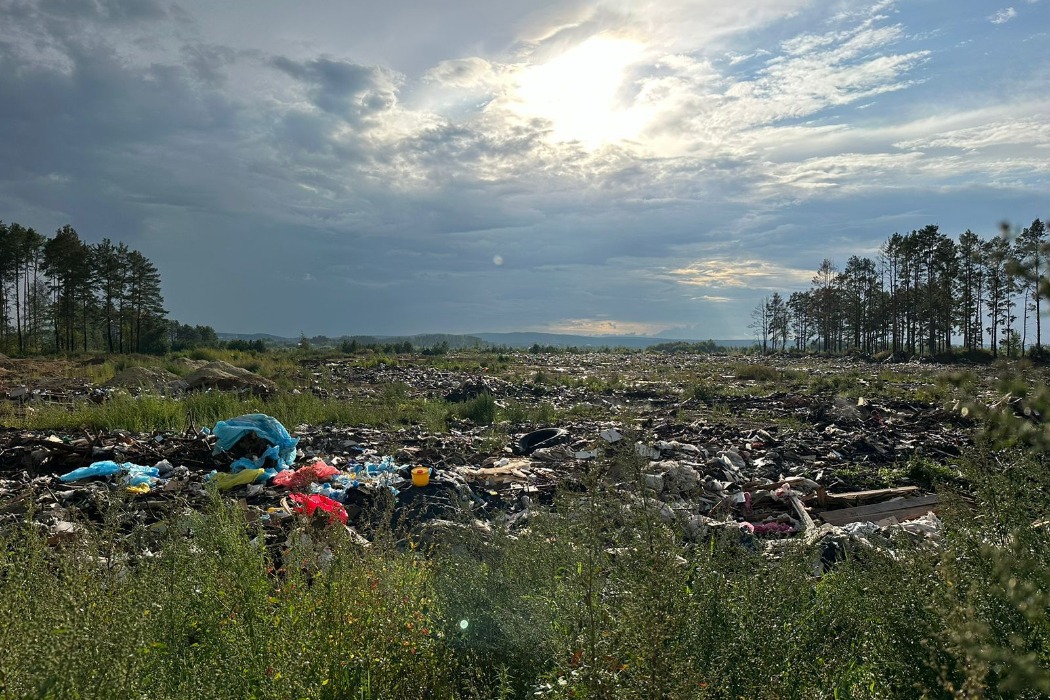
pixel 134 474
pixel 282 445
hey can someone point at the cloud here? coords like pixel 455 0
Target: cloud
pixel 358 94
pixel 1003 16
pixel 817 72
pixel 1031 133
pixel 469 72
pixel 743 274
pixel 601 326
pixel 364 184
pixel 104 10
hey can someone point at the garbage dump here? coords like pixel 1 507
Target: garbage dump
pixel 707 478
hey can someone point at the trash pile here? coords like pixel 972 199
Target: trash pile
pixel 706 490
pixel 760 485
pixel 263 466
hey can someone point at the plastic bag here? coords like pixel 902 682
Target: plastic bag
pixel 135 475
pixel 104 468
pixel 310 504
pixel 299 478
pixel 282 445
pixel 246 476
pixel 381 474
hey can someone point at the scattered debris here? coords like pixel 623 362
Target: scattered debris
pixel 771 467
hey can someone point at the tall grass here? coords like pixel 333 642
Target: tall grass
pixel 149 413
pixel 217 617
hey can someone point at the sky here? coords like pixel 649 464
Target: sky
pixel 585 166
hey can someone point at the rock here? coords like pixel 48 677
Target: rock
pixel 654 482
pixel 643 450
pixel 681 479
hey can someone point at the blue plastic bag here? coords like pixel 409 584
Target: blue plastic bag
pixel 104 468
pixel 282 445
pixel 135 475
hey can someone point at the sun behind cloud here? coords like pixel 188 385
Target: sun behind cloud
pixel 580 92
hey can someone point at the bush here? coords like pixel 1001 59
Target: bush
pixel 480 410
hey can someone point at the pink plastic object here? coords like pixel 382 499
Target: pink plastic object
pixel 770 528
pixel 298 478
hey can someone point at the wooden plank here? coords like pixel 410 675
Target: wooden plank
pixel 857 497
pixel 902 509
pixel 803 514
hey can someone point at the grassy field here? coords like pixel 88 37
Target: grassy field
pixel 597 598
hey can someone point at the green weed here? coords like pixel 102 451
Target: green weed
pixel 149 413
pixel 481 410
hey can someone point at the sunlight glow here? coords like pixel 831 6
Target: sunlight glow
pixel 582 92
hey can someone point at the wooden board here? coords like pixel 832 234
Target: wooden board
pixel 858 497
pixel 902 509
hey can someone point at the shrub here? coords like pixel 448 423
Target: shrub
pixel 480 410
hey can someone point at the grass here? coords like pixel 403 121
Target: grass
pixel 518 413
pixel 481 410
pixel 233 623
pixel 764 373
pixel 148 413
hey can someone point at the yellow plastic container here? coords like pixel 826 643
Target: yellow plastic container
pixel 420 476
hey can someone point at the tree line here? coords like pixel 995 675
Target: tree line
pixel 61 294
pixel 924 293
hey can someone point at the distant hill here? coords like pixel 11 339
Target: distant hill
pixel 422 340
pixel 269 338
pixel 474 340
pixel 560 340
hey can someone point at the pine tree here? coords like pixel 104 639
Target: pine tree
pixel 1032 255
pixel 109 270
pixel 66 263
pixel 145 323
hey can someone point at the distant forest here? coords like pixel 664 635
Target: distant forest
pixel 61 294
pixel 924 294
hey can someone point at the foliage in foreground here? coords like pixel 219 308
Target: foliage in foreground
pixel 597 599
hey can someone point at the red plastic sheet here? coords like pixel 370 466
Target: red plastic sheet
pixel 308 504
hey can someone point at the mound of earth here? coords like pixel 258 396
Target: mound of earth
pixel 145 378
pixel 223 376
pixel 191 364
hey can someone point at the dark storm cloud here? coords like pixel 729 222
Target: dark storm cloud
pixel 355 93
pixel 95 139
